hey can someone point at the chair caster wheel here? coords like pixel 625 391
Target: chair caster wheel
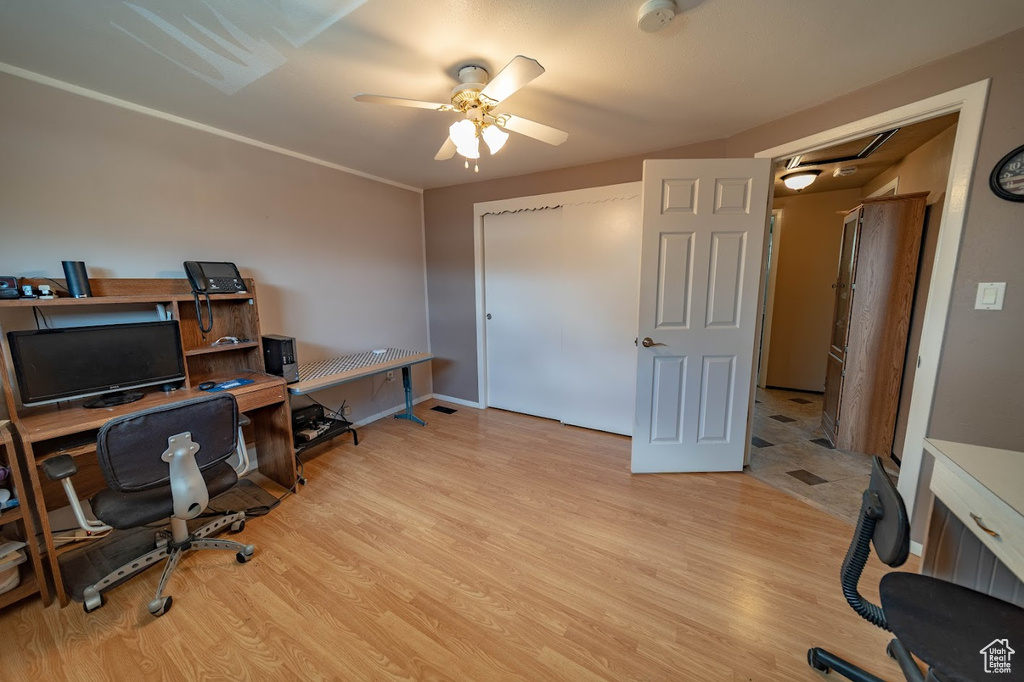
pixel 159 607
pixel 812 660
pixel 238 526
pixel 245 554
pixel 92 603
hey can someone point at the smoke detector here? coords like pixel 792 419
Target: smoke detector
pixel 844 171
pixel 655 15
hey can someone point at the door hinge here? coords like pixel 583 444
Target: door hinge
pixel 918 360
pixel 843 374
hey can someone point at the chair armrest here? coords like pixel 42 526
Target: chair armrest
pixel 60 467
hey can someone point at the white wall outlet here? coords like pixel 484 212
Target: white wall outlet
pixel 346 410
pixel 990 296
pixel 390 375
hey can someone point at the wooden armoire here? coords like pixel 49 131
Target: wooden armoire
pixel 874 294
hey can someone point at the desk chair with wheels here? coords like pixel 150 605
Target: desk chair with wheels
pixel 162 463
pixel 943 624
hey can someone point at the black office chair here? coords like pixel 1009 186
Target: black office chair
pixel 162 463
pixel 943 624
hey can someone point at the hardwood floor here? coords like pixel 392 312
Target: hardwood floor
pixel 485 546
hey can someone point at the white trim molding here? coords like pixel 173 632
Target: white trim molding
pixel 891 186
pixel 188 123
pixel 969 101
pixel 626 190
pixel 459 401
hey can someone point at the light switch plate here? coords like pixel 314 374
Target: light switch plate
pixel 990 296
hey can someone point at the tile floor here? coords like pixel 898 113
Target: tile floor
pixel 790 453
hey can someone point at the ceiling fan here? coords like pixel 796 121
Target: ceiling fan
pixel 476 98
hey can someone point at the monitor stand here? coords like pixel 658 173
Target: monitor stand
pixel 114 399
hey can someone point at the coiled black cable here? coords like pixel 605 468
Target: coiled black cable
pixel 853 566
pixel 208 326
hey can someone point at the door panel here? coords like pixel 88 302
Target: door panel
pixel 704 226
pixel 522 278
pixel 669 381
pixel 675 267
pixel 600 263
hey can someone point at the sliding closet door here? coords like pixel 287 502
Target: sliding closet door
pixel 601 243
pixel 522 281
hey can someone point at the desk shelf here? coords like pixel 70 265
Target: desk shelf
pixel 112 300
pixel 28 587
pixel 220 349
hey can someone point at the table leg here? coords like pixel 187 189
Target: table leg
pixel 407 384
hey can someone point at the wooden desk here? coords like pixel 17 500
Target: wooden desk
pixel 50 431
pixel 976 529
pixel 316 376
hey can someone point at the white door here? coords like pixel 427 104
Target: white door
pixel 522 280
pixel 703 235
pixel 601 244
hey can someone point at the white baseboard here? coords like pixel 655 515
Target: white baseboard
pixel 390 411
pixel 916 548
pixel 459 401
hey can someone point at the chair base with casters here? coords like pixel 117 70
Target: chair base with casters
pixel 172 550
pixel 943 624
pixel 155 471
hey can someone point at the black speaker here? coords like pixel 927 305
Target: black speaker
pixel 77 278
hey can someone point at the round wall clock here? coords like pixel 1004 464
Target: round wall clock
pixel 1007 179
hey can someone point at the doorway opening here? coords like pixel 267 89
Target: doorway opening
pixel 796 444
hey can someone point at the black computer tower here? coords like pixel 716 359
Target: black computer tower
pixel 279 357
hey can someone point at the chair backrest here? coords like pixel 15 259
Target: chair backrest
pixel 129 447
pixel 882 522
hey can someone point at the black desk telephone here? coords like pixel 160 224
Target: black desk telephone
pixel 212 278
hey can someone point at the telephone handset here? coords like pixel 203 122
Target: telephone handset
pixel 212 278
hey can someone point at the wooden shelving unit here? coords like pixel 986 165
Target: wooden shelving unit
pixel 18 523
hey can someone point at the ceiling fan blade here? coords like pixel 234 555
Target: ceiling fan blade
pixel 517 73
pixel 446 151
pixel 537 131
pixel 403 102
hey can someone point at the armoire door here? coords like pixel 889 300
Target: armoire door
pixel 830 402
pixel 844 287
pixel 836 362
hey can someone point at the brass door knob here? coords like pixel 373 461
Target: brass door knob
pixel 648 342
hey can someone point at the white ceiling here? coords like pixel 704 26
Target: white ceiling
pixel 722 66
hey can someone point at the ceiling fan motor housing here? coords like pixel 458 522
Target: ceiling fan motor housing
pixel 466 94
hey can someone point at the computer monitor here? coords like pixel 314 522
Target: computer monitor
pixel 80 362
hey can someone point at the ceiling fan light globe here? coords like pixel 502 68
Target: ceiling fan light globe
pixel 495 138
pixel 463 133
pixel 470 149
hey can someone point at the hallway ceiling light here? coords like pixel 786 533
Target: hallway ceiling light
pixel 801 179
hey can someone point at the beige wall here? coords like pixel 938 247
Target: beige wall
pixel 338 259
pixel 809 246
pixel 978 396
